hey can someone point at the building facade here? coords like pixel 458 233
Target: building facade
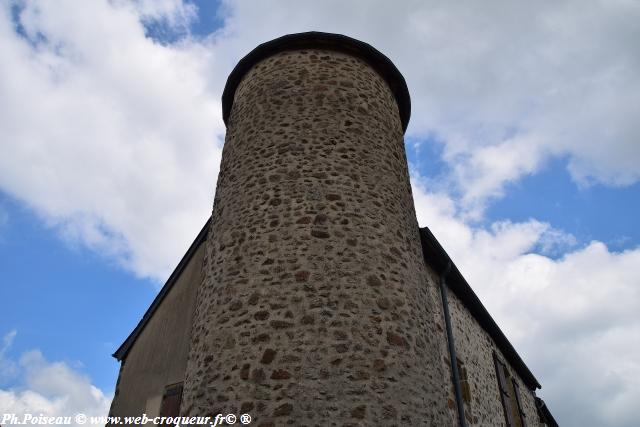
pixel 311 297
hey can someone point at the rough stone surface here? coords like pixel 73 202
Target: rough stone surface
pixel 314 251
pixel 474 348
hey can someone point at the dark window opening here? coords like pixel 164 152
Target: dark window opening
pixel 509 395
pixel 171 398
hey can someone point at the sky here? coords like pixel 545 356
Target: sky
pixel 523 148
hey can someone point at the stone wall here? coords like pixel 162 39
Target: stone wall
pixel 474 348
pixel 314 309
pixel 159 355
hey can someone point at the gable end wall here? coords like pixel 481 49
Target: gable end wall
pixel 159 355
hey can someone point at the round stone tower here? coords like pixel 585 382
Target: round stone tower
pixel 315 307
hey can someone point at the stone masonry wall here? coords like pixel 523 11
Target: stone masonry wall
pixel 314 309
pixel 474 348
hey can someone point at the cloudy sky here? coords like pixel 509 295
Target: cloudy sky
pixel 523 145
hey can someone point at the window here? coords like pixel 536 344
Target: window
pixel 509 395
pixel 518 406
pixel 170 406
pixel 464 382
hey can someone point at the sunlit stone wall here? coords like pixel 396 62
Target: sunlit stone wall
pixel 314 309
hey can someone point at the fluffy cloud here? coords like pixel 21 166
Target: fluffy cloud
pixel 111 137
pixel 503 86
pixel 573 319
pixel 48 388
pixel 115 138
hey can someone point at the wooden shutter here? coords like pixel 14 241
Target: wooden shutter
pixel 170 406
pixel 505 397
pixel 516 392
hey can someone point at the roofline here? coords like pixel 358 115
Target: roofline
pixel 545 414
pixel 437 257
pixel 124 348
pixel 318 40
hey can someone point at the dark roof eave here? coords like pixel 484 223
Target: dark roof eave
pixel 437 257
pixel 545 414
pixel 319 40
pixel 124 348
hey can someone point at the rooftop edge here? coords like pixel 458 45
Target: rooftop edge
pixel 319 40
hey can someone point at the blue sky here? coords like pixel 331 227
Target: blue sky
pixel 524 150
pixel 591 212
pixel 73 304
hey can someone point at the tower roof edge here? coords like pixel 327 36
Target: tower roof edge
pixel 319 40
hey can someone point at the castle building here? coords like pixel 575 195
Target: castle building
pixel 311 296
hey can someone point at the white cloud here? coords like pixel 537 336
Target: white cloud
pixel 109 136
pixel 573 319
pixel 504 86
pixel 48 388
pixel 116 138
